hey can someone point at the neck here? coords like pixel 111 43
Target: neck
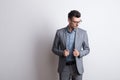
pixel 71 29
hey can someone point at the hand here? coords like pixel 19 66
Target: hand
pixel 76 53
pixel 66 53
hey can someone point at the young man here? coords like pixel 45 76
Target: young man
pixel 71 44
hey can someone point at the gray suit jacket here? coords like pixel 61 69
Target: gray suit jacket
pixel 81 44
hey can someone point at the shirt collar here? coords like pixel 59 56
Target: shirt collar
pixel 73 29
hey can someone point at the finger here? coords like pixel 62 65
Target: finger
pixel 74 52
pixel 67 50
pixel 75 49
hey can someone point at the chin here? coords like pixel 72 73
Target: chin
pixel 75 27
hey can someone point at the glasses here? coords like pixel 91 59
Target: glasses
pixel 77 21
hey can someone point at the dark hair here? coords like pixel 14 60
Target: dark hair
pixel 74 13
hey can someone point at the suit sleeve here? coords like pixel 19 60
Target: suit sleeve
pixel 85 46
pixel 56 46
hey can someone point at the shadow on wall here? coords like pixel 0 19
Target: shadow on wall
pixel 45 60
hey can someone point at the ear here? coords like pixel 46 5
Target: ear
pixel 69 20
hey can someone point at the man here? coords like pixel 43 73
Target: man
pixel 71 44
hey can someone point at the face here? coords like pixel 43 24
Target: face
pixel 74 22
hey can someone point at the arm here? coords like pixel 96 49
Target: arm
pixel 56 44
pixel 85 46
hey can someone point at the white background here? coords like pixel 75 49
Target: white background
pixel 27 30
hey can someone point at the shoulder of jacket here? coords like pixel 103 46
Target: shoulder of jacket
pixel 62 29
pixel 82 30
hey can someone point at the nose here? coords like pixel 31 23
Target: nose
pixel 76 24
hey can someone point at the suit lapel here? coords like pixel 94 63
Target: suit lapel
pixel 65 37
pixel 78 38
